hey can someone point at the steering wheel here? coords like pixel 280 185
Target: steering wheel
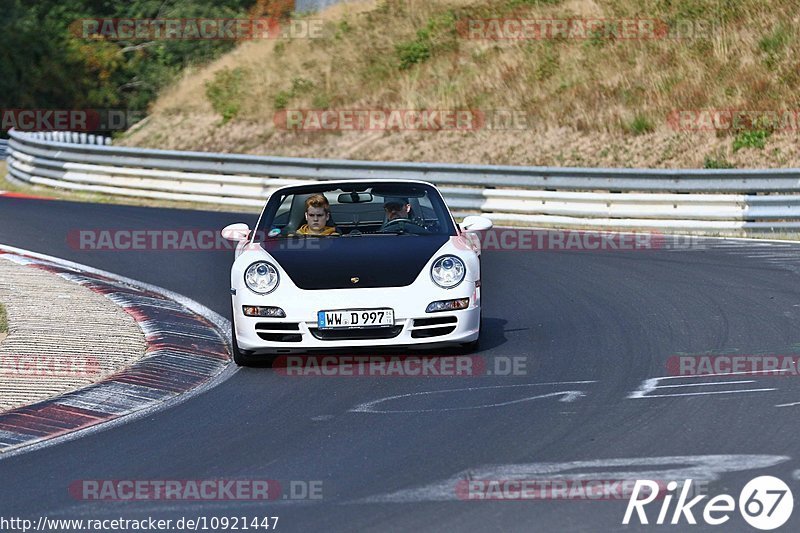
pixel 403 224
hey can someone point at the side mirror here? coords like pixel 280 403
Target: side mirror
pixel 236 232
pixel 476 223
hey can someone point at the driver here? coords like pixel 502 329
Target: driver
pixel 318 213
pixel 397 208
pixel 400 216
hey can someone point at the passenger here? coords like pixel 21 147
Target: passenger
pixel 318 213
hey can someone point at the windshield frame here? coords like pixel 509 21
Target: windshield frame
pixel 275 200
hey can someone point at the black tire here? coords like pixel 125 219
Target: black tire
pixel 474 346
pixel 239 357
pixel 469 348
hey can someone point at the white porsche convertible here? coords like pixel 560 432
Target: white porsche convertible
pixel 353 264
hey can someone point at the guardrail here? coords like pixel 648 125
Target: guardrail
pixel 716 201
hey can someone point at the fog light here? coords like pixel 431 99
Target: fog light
pixel 447 305
pixel 252 310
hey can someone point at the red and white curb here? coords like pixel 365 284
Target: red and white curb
pixel 187 351
pixel 22 195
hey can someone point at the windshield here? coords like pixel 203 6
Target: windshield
pixel 369 209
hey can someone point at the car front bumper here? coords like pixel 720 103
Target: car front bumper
pixel 413 327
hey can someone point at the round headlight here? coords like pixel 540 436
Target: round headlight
pixel 261 277
pixel 448 271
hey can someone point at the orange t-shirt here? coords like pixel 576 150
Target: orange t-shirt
pixel 326 231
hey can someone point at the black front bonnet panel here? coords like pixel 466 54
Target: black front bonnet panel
pixel 333 262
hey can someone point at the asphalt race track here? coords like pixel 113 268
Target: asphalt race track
pixel 591 327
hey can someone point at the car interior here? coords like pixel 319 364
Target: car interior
pixel 359 213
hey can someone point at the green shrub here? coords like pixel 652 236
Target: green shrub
pixel 773 44
pixel 412 52
pixel 548 64
pixel 521 3
pixel 282 99
pixel 225 92
pixel 640 125
pixel 711 162
pixel 301 85
pixel 342 29
pixel 597 38
pixel 439 32
pixel 750 139
pixel 775 41
pixel 321 101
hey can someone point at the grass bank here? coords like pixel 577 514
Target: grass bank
pixel 592 100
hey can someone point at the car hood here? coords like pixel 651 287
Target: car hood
pixel 334 262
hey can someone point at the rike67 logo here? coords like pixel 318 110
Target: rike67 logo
pixel 765 503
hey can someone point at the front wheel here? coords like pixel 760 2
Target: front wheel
pixel 244 358
pixel 239 357
pixel 474 346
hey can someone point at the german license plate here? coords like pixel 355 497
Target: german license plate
pixel 355 318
